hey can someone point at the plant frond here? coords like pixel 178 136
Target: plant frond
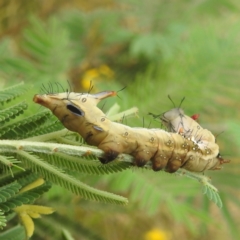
pixel 212 194
pixel 57 176
pixel 24 198
pixel 23 178
pixel 25 127
pixel 12 92
pixel 48 128
pixel 12 112
pixel 7 162
pixel 208 189
pixel 9 191
pixel 48 45
pixel 154 189
pixel 3 220
pixel 80 164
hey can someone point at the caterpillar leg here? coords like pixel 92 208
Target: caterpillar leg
pixel 173 165
pixel 140 162
pixel 108 156
pixel 159 162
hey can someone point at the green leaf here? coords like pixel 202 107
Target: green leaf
pixel 12 112
pixel 84 165
pixel 11 93
pixel 15 233
pixel 25 127
pixel 58 176
pixel 9 191
pixel 23 198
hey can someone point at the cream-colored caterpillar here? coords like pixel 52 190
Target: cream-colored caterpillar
pixel 176 121
pixel 78 112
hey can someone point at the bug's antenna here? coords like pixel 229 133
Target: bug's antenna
pixel 122 89
pixel 51 87
pixel 57 87
pixel 45 89
pixel 42 89
pixel 169 97
pixel 150 122
pixel 123 118
pixel 60 85
pixel 119 96
pixel 174 103
pixel 154 115
pixel 103 106
pixel 90 87
pixel 70 87
pixel 181 102
pixel 218 135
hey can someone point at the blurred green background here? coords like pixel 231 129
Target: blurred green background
pixel 156 48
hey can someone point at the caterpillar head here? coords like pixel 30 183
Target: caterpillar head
pixel 78 112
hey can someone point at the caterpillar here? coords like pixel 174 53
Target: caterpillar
pixel 170 151
pixel 176 121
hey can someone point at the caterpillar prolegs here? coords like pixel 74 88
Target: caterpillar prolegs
pixel 78 112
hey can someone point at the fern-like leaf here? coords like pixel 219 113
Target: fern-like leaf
pixel 9 191
pixel 57 176
pixel 3 220
pixel 208 189
pixel 48 128
pixel 212 194
pixel 24 198
pixel 7 162
pixel 46 44
pixel 25 127
pixel 11 93
pixel 84 165
pixel 22 178
pixel 12 112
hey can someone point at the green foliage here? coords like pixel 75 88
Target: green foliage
pixel 3 219
pixel 57 176
pixel 90 165
pixel 51 167
pixel 14 233
pixel 10 93
pixel 12 112
pixel 25 127
pixel 10 202
pixel 187 50
pixel 10 197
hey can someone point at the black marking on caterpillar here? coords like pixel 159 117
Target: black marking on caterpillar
pixel 78 112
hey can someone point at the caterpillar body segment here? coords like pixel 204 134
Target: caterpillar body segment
pixel 78 112
pixel 176 121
